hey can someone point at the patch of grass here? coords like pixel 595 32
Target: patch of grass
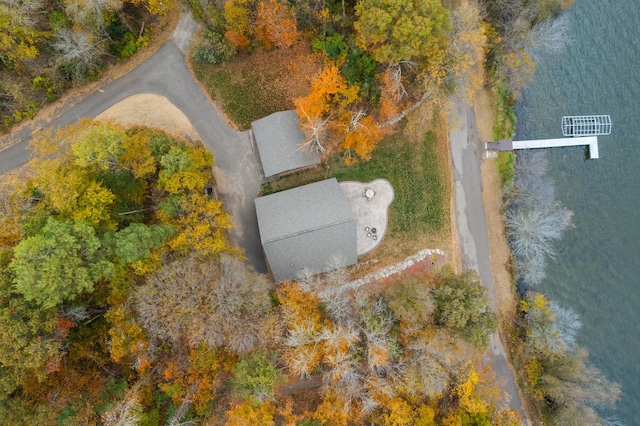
pixel 252 86
pixel 506 170
pixel 414 170
pixel 504 124
pixel 236 94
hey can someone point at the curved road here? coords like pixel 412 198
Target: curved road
pixel 238 172
pixel 473 235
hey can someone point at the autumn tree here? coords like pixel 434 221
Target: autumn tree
pixel 399 30
pixel 195 380
pixel 56 265
pixel 276 24
pixel 185 170
pixel 246 413
pixel 98 146
pixel 18 31
pixel 201 225
pixel 468 44
pixel 361 135
pixel 216 302
pixel 302 317
pixel 237 17
pixel 74 194
pixel 330 119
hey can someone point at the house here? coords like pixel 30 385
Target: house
pixel 278 138
pixel 309 227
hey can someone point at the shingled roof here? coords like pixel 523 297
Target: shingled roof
pixel 309 227
pixel 278 138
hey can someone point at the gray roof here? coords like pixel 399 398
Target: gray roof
pixel 278 138
pixel 307 227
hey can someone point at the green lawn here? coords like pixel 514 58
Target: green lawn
pixel 413 168
pixel 236 93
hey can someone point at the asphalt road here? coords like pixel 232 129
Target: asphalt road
pixel 237 171
pixel 473 235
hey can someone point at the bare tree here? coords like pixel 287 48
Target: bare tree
pixel 128 411
pixel 575 388
pixel 432 361
pixel 213 302
pixel 550 36
pixel 568 322
pixel 79 51
pixel 532 185
pixel 533 231
pixel 91 13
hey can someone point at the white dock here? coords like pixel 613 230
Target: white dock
pixel 590 141
pixel 508 145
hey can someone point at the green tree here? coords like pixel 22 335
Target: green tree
pixel 136 241
pixel 60 262
pixel 463 306
pixel 255 377
pixel 28 336
pixel 401 30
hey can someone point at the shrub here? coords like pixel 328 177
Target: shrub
pixel 333 45
pixel 214 49
pixel 462 305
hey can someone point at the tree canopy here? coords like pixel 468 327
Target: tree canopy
pixel 401 30
pixel 63 260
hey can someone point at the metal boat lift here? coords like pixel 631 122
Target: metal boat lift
pixel 586 125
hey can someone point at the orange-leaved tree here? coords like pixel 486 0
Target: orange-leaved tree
pixel 276 24
pixel 361 136
pixel 327 117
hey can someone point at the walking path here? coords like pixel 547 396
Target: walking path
pixel 237 171
pixel 473 236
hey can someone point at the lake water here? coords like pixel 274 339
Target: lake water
pixel 597 269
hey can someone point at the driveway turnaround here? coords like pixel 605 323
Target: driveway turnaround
pixel 238 173
pixel 473 235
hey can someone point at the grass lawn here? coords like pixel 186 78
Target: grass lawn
pixel 252 86
pixel 419 216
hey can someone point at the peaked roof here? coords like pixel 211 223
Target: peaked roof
pixel 278 138
pixel 307 227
